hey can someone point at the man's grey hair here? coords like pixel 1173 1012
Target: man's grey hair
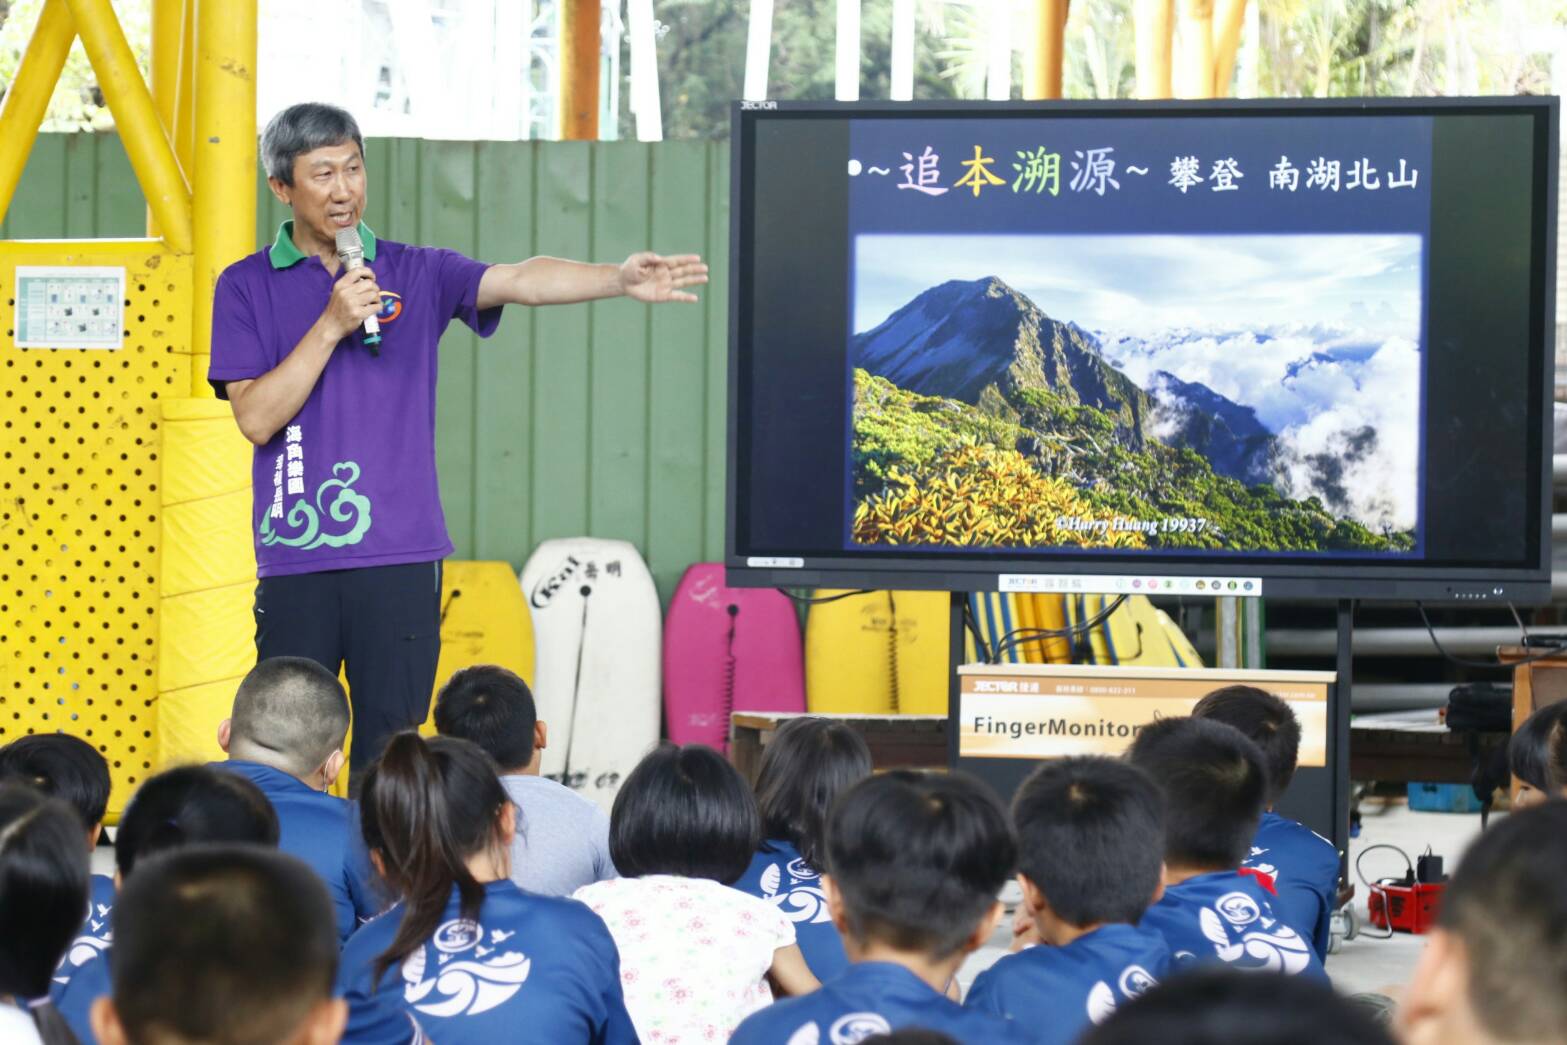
pixel 299 129
pixel 290 713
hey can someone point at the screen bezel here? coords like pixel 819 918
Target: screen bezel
pixel 1297 579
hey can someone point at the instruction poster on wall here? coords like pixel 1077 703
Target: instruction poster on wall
pixel 70 307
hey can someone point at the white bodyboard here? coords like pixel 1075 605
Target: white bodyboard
pixel 597 635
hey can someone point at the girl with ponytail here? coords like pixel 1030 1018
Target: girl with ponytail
pixel 43 891
pixel 465 956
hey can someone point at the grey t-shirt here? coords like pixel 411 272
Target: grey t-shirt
pixel 562 839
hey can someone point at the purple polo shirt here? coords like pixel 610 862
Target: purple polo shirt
pixel 350 480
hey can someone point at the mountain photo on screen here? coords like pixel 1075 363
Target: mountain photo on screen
pixel 1243 393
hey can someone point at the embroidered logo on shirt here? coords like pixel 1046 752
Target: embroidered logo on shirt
pixel 801 900
pixel 856 1027
pixel 469 977
pixel 1134 980
pixel 391 306
pixel 1244 936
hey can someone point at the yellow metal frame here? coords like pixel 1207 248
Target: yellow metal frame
pixel 125 540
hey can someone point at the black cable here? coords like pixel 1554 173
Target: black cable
pixel 981 647
pixel 1481 665
pixel 1018 636
pixel 806 600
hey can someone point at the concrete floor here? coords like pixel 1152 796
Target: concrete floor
pixel 1364 964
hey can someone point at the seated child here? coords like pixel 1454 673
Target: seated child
pixel 1304 866
pixel 69 768
pixel 226 945
pixel 186 806
pixel 43 888
pixel 1495 968
pixel 465 954
pixel 1219 1006
pixel 1537 755
pixel 562 842
pixel 914 863
pixel 805 767
pixel 696 956
pixel 1090 864
pixel 1215 783
pixel 285 735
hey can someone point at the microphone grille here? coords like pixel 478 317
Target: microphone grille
pixel 348 241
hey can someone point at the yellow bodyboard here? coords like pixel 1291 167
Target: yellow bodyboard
pixel 878 653
pixel 484 620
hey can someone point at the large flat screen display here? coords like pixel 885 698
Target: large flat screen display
pixel 1305 342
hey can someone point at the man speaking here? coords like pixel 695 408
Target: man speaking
pixel 349 531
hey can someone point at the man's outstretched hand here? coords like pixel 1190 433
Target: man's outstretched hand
pixel 657 277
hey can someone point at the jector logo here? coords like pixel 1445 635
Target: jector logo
pixel 391 306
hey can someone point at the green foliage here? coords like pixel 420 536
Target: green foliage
pixel 77 104
pixel 1059 454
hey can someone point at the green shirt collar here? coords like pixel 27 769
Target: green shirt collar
pixel 284 253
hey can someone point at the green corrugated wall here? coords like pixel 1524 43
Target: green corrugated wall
pixel 604 419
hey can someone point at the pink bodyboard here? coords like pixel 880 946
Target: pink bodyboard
pixel 727 649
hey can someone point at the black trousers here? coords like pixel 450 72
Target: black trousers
pixel 384 622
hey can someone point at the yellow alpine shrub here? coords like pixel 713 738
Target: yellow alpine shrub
pixel 980 495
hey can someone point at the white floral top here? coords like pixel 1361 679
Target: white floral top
pixel 694 954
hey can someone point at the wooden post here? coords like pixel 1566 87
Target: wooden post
pixel 1047 35
pixel 579 70
pixel 1228 20
pixel 1196 79
pixel 1154 22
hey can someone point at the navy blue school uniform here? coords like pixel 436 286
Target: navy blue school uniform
pixel 1058 992
pixel 1229 917
pixel 87 984
pixel 93 937
pixel 871 998
pixel 323 831
pixel 532 969
pixel 780 876
pixel 1304 867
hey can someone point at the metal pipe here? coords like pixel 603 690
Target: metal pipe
pixel 1045 54
pixel 1559 470
pixel 1391 642
pixel 759 48
pixel 146 143
pixel 225 161
pixel 1399 696
pixel 168 41
pixel 579 69
pixel 27 98
pixel 1196 58
pixel 1154 26
pixel 1228 19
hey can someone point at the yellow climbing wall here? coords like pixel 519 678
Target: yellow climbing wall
pixel 80 482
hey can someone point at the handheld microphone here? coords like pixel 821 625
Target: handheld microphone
pixel 351 252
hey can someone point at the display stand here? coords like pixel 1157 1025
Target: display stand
pixel 1319 796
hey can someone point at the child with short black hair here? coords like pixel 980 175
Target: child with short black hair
pixel 809 762
pixel 1219 1006
pixel 190 805
pixel 1494 968
pixel 562 842
pixel 1303 866
pixel 696 956
pixel 914 863
pixel 43 887
pixel 1089 868
pixel 1537 756
pixel 465 954
pixel 226 945
pixel 1214 781
pixel 71 769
